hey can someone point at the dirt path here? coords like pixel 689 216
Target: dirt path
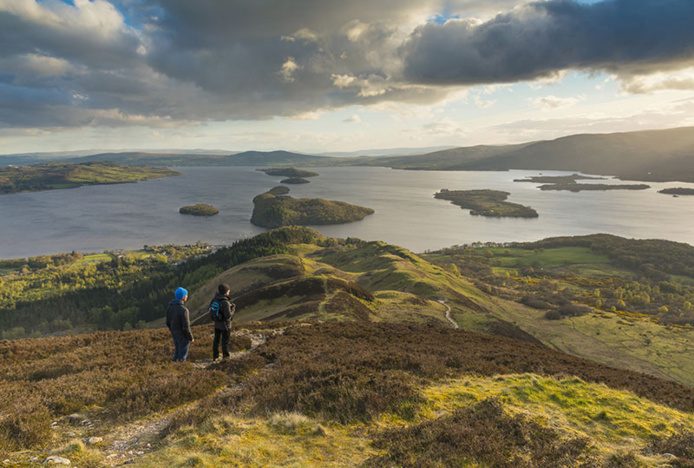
pixel 448 313
pixel 126 443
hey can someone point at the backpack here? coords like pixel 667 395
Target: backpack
pixel 215 311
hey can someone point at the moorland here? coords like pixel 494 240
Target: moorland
pixel 344 352
pixel 51 176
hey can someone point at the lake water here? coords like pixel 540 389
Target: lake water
pixel 128 216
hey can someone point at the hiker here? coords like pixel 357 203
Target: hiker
pixel 221 312
pixel 178 321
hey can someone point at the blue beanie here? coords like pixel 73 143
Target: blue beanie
pixel 180 294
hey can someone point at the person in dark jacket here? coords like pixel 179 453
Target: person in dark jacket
pixel 222 320
pixel 178 321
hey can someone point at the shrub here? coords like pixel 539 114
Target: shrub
pixel 481 435
pixel 681 445
pixel 573 310
pixel 535 302
pixel 553 315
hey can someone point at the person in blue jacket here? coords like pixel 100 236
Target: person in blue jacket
pixel 178 321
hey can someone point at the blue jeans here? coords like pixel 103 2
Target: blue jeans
pixel 181 345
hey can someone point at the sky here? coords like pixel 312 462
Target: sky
pixel 333 75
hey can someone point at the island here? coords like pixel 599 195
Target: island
pixel 272 211
pixel 288 172
pixel 294 180
pixel 489 203
pixel 676 191
pixel 573 187
pixel 279 190
pixel 53 176
pixel 570 179
pixel 200 209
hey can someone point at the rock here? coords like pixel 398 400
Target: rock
pixel 94 440
pixel 74 418
pixel 53 460
pixel 668 456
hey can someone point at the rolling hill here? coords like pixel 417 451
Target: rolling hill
pixel 366 352
pixel 246 158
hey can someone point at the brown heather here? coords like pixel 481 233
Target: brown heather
pixel 355 371
pixel 344 372
pixel 119 376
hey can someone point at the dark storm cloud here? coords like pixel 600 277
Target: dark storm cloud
pixel 543 38
pixel 162 62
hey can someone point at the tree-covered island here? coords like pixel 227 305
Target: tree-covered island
pixel 52 176
pixel 200 209
pixel 677 191
pixel 288 172
pixel 574 187
pixel 294 181
pixel 272 211
pixel 487 203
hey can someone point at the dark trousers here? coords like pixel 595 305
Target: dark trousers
pixel 222 335
pixel 181 345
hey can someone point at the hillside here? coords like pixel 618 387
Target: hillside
pixel 52 176
pixel 320 394
pixel 346 350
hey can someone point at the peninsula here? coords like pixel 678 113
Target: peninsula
pixel 570 179
pixel 491 203
pixel 288 172
pixel 574 187
pixel 52 176
pixel 200 209
pixel 273 211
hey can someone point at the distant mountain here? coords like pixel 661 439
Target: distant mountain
pixel 247 158
pixel 654 155
pixel 450 159
pixel 387 152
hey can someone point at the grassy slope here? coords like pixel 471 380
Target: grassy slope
pixel 408 289
pixel 631 342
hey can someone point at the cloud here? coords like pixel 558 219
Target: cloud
pixel 665 115
pixel 541 39
pixel 554 102
pixel 353 119
pixel 162 63
pixel 641 84
pixel 484 104
pixel 443 127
